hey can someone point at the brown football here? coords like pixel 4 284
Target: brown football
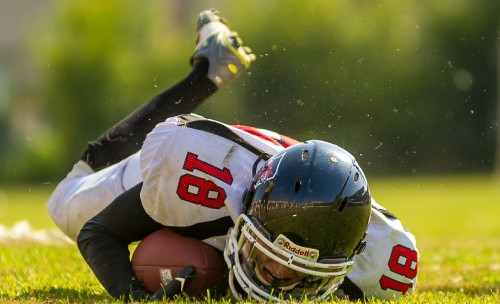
pixel 162 254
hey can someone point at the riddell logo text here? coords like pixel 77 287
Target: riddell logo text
pixel 289 247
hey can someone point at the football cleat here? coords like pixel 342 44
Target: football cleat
pixel 223 49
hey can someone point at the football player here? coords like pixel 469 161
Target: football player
pixel 300 217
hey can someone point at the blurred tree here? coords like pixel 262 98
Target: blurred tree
pixel 101 60
pixel 460 63
pixel 497 125
pixel 407 86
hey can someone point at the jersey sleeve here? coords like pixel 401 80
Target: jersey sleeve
pixel 103 242
pixel 196 170
pixel 387 268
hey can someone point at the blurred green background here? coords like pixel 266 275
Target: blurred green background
pixel 408 87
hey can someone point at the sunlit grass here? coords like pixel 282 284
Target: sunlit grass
pixel 443 208
pixel 25 202
pixel 455 220
pixel 46 274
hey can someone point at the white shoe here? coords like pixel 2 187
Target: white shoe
pixel 222 48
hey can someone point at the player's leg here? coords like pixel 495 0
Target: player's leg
pixel 126 137
pixel 218 58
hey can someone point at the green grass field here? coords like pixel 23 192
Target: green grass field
pixel 455 220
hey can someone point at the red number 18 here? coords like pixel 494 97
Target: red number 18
pixel 201 191
pixel 403 261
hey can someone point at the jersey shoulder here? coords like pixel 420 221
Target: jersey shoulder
pixel 268 135
pixel 387 268
pixel 193 165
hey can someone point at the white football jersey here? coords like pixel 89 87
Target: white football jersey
pixel 387 268
pixel 198 172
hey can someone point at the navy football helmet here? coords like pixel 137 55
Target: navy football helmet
pixel 307 209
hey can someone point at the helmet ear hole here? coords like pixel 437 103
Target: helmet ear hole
pixel 305 154
pixel 298 183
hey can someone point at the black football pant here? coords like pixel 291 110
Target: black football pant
pixel 126 137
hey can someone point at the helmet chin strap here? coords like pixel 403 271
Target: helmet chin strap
pixel 276 283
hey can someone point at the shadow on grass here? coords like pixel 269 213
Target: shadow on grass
pixel 64 295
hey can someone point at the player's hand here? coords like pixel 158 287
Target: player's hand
pixel 176 286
